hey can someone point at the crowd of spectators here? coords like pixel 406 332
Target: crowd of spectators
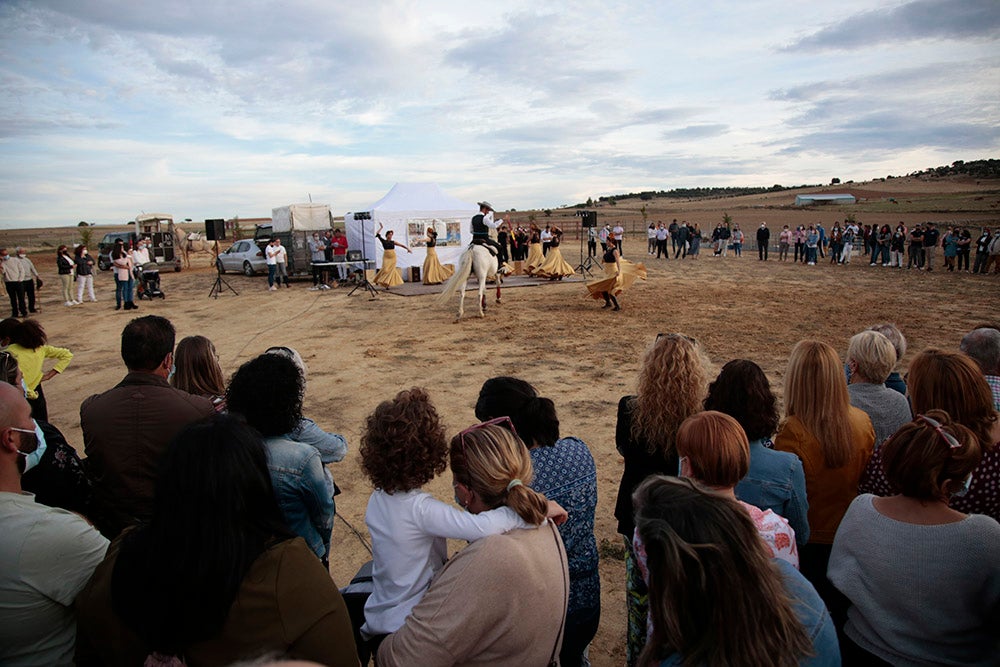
pixel 855 524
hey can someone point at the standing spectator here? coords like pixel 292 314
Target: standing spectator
pixel 65 266
pixel 812 243
pixel 870 359
pixel 923 577
pixel 724 236
pixel 619 237
pixel 799 236
pixel 775 480
pixel 836 244
pixel 681 238
pixel 673 229
pixel 916 247
pixel 47 555
pixel 983 345
pixel 338 244
pixel 880 251
pixel 651 239
pixel 763 239
pixel 28 343
pixel 215 576
pixel 13 271
pixel 122 264
pixel 994 253
pixel 931 236
pixel 84 273
pixel 964 248
pixel 949 246
pixel 124 452
pixel 737 236
pixel 29 278
pixel 694 240
pixel 821 247
pixel 603 235
pixel 661 241
pixel 982 252
pixel 591 243
pixel 546 238
pixel 671 388
pixel 277 251
pixel 834 441
pixel 870 232
pixel 784 240
pixel 317 255
pixel 565 473
pixel 503 240
pixel 850 234
pixel 897 246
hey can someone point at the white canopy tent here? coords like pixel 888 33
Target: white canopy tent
pixel 407 210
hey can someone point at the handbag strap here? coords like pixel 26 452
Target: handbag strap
pixel 554 660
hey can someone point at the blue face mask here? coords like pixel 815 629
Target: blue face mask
pixel 24 386
pixel 173 369
pixel 964 489
pixel 33 458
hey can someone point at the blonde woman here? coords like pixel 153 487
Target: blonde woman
pixel 834 441
pixel 524 570
pixel 672 387
pixel 434 272
pixel 870 358
pixel 389 276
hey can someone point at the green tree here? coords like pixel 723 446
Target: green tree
pixel 644 213
pixel 86 235
pixel 727 220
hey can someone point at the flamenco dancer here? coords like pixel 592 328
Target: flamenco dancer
pixel 555 267
pixel 388 276
pixel 434 272
pixel 535 255
pixel 619 274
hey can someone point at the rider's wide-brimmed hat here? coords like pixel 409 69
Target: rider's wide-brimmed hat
pixel 486 204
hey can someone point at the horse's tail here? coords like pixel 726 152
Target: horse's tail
pixel 458 279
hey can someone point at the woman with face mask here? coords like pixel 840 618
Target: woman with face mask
pixel 84 273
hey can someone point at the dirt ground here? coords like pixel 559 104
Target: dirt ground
pixel 360 351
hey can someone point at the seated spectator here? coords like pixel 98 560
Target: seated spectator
pixel 215 576
pixel 565 472
pixel 714 451
pixel 923 578
pixel 47 555
pixel 983 345
pixel 403 448
pixel 952 382
pixel 775 480
pixel 197 370
pixel 54 473
pixel 268 392
pixel 502 599
pixel 870 359
pixel 715 595
pixel 124 452
pixel 332 447
pixel 27 341
pixel 898 340
pixel 834 441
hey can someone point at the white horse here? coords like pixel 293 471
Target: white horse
pixel 478 259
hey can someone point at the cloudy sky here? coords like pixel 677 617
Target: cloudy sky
pixel 216 108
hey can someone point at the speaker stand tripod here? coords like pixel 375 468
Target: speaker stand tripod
pixel 219 280
pixel 585 265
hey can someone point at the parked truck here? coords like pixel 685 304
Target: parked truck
pixel 294 225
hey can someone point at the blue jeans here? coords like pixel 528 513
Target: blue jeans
pixel 123 291
pixel 271 270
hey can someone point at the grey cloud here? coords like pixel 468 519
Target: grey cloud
pixel 697 131
pixel 921 19
pixel 887 133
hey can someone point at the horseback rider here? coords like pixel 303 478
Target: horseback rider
pixel 482 223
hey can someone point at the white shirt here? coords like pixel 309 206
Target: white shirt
pixel 276 254
pixel 488 220
pixel 47 556
pixel 619 233
pixel 409 532
pixel 545 236
pixel 140 256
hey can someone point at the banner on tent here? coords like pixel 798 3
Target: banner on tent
pixel 449 231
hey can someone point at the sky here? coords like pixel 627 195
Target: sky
pixel 217 108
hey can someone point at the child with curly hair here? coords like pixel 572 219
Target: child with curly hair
pixel 403 448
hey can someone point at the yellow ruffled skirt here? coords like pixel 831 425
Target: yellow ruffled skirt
pixel 388 275
pixel 616 284
pixel 535 258
pixel 554 265
pixel 434 272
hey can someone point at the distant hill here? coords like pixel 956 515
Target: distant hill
pixel 975 169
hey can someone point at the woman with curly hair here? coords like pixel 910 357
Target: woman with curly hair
pixel 402 449
pixel 268 392
pixel 197 370
pixel 28 342
pixel 671 389
pixel 953 382
pixel 834 440
pixel 715 595
pixel 502 599
pixel 775 480
pixel 922 576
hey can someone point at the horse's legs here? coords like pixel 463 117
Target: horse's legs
pixel 461 302
pixel 499 282
pixel 482 295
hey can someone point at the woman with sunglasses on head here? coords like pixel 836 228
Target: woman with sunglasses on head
pixel 402 449
pixel 671 388
pixel 923 578
pixel 834 440
pixel 501 600
pixel 564 471
pixel 716 597
pixel 953 382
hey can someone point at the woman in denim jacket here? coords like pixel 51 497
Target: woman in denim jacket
pixel 268 392
pixel 776 481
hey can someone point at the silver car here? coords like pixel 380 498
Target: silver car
pixel 243 256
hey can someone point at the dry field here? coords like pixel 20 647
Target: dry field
pixel 362 351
